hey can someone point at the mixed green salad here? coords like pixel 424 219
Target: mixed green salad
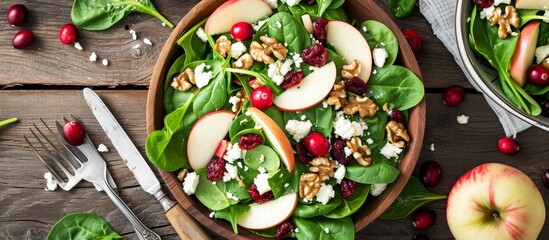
pixel 286 119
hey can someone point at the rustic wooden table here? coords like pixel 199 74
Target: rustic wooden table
pixel 45 81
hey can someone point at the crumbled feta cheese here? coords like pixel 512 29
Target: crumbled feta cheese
pixel 136 46
pixel 243 121
pixel 134 34
pixel 230 173
pixel 202 77
pixel 261 158
pixel 303 117
pixel 542 53
pixel 346 129
pixel 258 127
pixel 102 148
pixel 245 168
pixel 369 141
pixel 105 62
pixel 468 19
pixel 239 164
pixel 374 72
pixel 93 57
pixel 339 174
pixel 260 23
pixel 233 153
pixel 190 182
pixel 377 189
pixel 296 230
pixel 261 169
pixel 347 151
pixel 163 24
pixel 278 24
pixel 291 3
pixel 237 49
pixel 201 34
pixel 324 104
pixel 297 60
pixel 298 129
pixel 462 119
pixel 514 34
pixel 432 147
pixel 231 196
pixel 51 184
pixel 379 55
pixel 364 29
pixel 272 3
pixel 278 69
pixel 234 100
pixel 498 2
pixel 147 41
pixel 286 185
pixel 390 150
pixel 261 183
pixel 546 15
pixel 325 193
pixel 212 214
pixel 327 230
pixel 487 13
pixel 78 46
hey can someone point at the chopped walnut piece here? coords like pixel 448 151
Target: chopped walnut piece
pixel 181 174
pixel 324 167
pixel 397 134
pixel 363 105
pixel 276 48
pixel 309 184
pixel 244 62
pixel 262 52
pixel 505 21
pixel 240 99
pixel 223 46
pixel 338 97
pixel 360 152
pixel 545 63
pixel 351 70
pixel 255 83
pixel 183 81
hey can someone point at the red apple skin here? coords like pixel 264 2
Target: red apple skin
pixel 495 188
pixel 524 52
pixel 226 15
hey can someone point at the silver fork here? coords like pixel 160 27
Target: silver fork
pixel 86 165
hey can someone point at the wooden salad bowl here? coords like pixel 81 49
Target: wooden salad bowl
pixel 374 206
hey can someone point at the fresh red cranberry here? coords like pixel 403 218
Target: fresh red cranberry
pixel 284 229
pixel 338 151
pixel 249 141
pixel 421 236
pixel 68 33
pixel 484 3
pixel 215 169
pixel 17 15
pixel 262 97
pixel 317 144
pixel 397 116
pixel 355 85
pixel 424 219
pixel 319 29
pixel 430 173
pixel 292 78
pixel 73 133
pixel 347 187
pixel 259 198
pixel 538 75
pixel 22 39
pixel 545 177
pixel 414 40
pixel 315 55
pixel 302 154
pixel 453 95
pixel 508 146
pixel 241 31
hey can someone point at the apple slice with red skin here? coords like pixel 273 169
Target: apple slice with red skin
pixel 276 137
pixel 531 4
pixel 307 22
pixel 312 90
pixel 523 56
pixel 351 45
pixel 234 11
pixel 269 214
pixel 205 137
pixel 495 201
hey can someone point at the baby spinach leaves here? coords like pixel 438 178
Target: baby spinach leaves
pixel 324 228
pixel 352 204
pixel 82 226
pixel 373 174
pixel 102 14
pixel 401 8
pixel 317 208
pixel 214 95
pixel 287 29
pixel 378 35
pixel 231 214
pixel 170 102
pixel 262 156
pixel 320 117
pixel 209 194
pixel 396 86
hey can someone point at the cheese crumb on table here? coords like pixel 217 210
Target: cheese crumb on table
pixel 462 119
pixel 93 57
pixel 78 46
pixel 147 41
pixel 102 148
pixel 51 184
pixel 432 147
pixel 134 34
pixel 105 62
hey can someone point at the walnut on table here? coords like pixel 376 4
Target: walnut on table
pixel 323 167
pixel 351 70
pixel 338 96
pixel 223 46
pixel 309 184
pixel 184 81
pixel 505 21
pixel 360 152
pixel 397 134
pixel 363 105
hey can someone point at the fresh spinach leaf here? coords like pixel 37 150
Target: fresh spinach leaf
pixel 336 4
pixel 322 6
pixel 231 214
pixel 527 15
pixel 82 226
pixel 284 182
pixel 337 59
pixel 535 89
pixel 288 30
pixel 376 126
pixel 276 115
pixel 210 194
pixel 320 117
pixel 324 228
pixel 169 104
pixel 304 8
pixel 338 14
pixel 262 156
pixel 401 8
pixel 378 35
pixel 240 123
pixel 395 86
pixel 543 37
pixel 193 46
pixel 413 196
pixel 236 138
pixel 213 96
pixel 102 14
pixel 317 208
pixel 352 204
pixel 373 174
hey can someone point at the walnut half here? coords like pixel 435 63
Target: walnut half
pixel 324 167
pixel 183 81
pixel 505 21
pixel 397 134
pixel 360 152
pixel 223 46
pixel 338 97
pixel 309 184
pixel 363 105
pixel 351 70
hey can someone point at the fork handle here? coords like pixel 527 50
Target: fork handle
pixel 142 231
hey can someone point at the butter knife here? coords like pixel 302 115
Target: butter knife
pixel 182 222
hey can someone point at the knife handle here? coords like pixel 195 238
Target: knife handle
pixel 185 225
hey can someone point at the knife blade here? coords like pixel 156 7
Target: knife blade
pixel 186 229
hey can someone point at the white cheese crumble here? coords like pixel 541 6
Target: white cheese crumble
pixel 105 62
pixel 234 100
pixel 324 104
pixel 258 25
pixel 134 34
pixel 390 150
pixel 261 169
pixel 347 151
pixel 261 183
pixel 278 69
pixel 202 77
pixel 462 119
pixel 291 3
pixel 296 230
pixel 432 147
pixel 487 13
pixel 278 24
pixel 93 57
pixel 346 129
pixel 147 41
pixel 230 173
pixel 261 158
pixel 298 129
pixel 303 117
pixel 163 24
pixel 379 55
pixel 297 60
pixel 546 14
pixel 327 230
pixel 369 141
pixel 374 72
pixel 233 153
pixel 212 214
pixel 190 182
pixel 231 196
pixel 102 148
pixel 272 3
pixel 542 53
pixel 237 49
pixel 364 29
pixel 377 189
pixel 325 193
pixel 201 34
pixel 78 46
pixel 286 185
pixel 51 184
pixel 339 174
pixel 136 46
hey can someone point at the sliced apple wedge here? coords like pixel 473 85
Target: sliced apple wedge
pixel 233 11
pixel 523 56
pixel 276 137
pixel 307 22
pixel 268 214
pixel 310 91
pixel 531 4
pixel 206 135
pixel 351 45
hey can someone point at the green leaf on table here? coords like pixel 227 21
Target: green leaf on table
pixel 401 8
pixel 82 226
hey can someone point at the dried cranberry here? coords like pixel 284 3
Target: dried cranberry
pixel 319 29
pixel 315 55
pixel 284 229
pixel 291 79
pixel 338 151
pixel 260 198
pixel 302 154
pixel 544 104
pixel 355 85
pixel 484 3
pixel 249 141
pixel 347 187
pixel 396 115
pixel 215 169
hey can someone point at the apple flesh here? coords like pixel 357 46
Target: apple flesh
pixel 234 11
pixel 495 201
pixel 275 136
pixel 269 214
pixel 351 45
pixel 205 137
pixel 531 4
pixel 312 89
pixel 523 56
pixel 307 22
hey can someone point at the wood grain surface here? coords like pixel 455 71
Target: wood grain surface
pixel 49 78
